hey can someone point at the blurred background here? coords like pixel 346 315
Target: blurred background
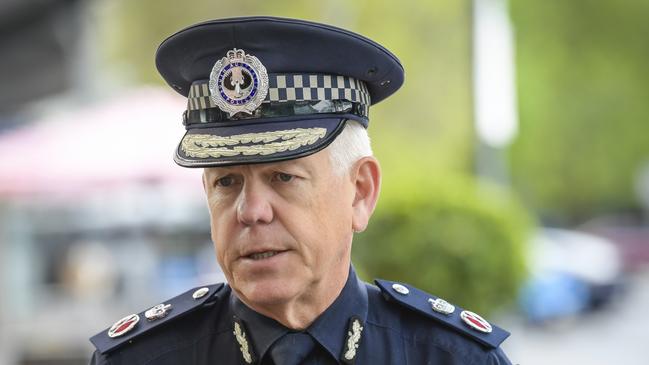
pixel 515 160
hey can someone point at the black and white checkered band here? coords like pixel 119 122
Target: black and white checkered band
pixel 293 87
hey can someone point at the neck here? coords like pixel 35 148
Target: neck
pixel 300 312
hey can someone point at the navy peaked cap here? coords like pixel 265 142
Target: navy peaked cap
pixel 264 89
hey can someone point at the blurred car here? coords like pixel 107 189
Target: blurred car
pixel 570 273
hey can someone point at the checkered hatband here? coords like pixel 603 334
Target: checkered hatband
pixel 294 87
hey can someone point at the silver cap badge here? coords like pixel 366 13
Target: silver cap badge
pixel 238 83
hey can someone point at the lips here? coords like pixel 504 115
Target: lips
pixel 262 254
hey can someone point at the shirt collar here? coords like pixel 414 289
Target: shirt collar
pixel 263 331
pixel 329 329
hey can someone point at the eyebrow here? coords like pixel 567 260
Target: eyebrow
pixel 298 163
pixel 212 170
pixel 288 163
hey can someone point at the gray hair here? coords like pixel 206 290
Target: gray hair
pixel 352 144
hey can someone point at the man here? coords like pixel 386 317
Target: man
pixel 276 116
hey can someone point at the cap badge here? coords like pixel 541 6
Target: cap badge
pixel 439 305
pixel 475 321
pixel 238 82
pixel 123 326
pixel 157 312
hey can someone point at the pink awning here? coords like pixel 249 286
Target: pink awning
pixel 126 139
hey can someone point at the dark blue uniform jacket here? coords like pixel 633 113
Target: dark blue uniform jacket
pixel 396 329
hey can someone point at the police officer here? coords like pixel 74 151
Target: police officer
pixel 276 115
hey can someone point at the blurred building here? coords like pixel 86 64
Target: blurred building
pixel 86 234
pixel 38 42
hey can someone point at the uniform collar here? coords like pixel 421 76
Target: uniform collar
pixel 329 329
pixel 263 331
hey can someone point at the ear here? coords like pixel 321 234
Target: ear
pixel 366 176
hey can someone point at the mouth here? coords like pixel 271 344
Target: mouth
pixel 262 255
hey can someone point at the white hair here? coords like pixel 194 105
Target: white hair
pixel 352 144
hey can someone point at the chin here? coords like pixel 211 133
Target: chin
pixel 268 291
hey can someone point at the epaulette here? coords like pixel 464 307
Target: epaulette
pixel 463 321
pixel 133 326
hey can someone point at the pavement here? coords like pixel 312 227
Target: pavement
pixel 616 334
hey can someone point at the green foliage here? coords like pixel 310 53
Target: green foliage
pixel 457 239
pixel 583 91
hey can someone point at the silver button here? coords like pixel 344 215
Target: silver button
pixel 199 293
pixel 400 289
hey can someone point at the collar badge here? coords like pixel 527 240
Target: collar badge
pixel 238 83
pixel 352 341
pixel 242 339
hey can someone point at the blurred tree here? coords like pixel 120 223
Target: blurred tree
pixel 465 242
pixel 583 84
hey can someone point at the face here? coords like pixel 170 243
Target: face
pixel 282 231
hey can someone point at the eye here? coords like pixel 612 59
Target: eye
pixel 225 181
pixel 284 177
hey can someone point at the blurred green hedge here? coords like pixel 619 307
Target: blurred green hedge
pixel 459 239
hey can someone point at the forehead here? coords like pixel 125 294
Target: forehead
pixel 315 164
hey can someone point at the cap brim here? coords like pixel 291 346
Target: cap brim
pixel 256 143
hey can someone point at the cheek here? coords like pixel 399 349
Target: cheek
pixel 333 214
pixel 216 241
pixel 336 206
pixel 220 230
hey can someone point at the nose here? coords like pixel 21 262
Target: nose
pixel 253 206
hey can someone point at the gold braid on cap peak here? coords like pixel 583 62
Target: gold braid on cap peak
pixel 207 145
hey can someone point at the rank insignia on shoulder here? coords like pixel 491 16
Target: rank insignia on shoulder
pixel 123 326
pixel 439 305
pixel 466 322
pixel 475 321
pixel 157 312
pixel 130 327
